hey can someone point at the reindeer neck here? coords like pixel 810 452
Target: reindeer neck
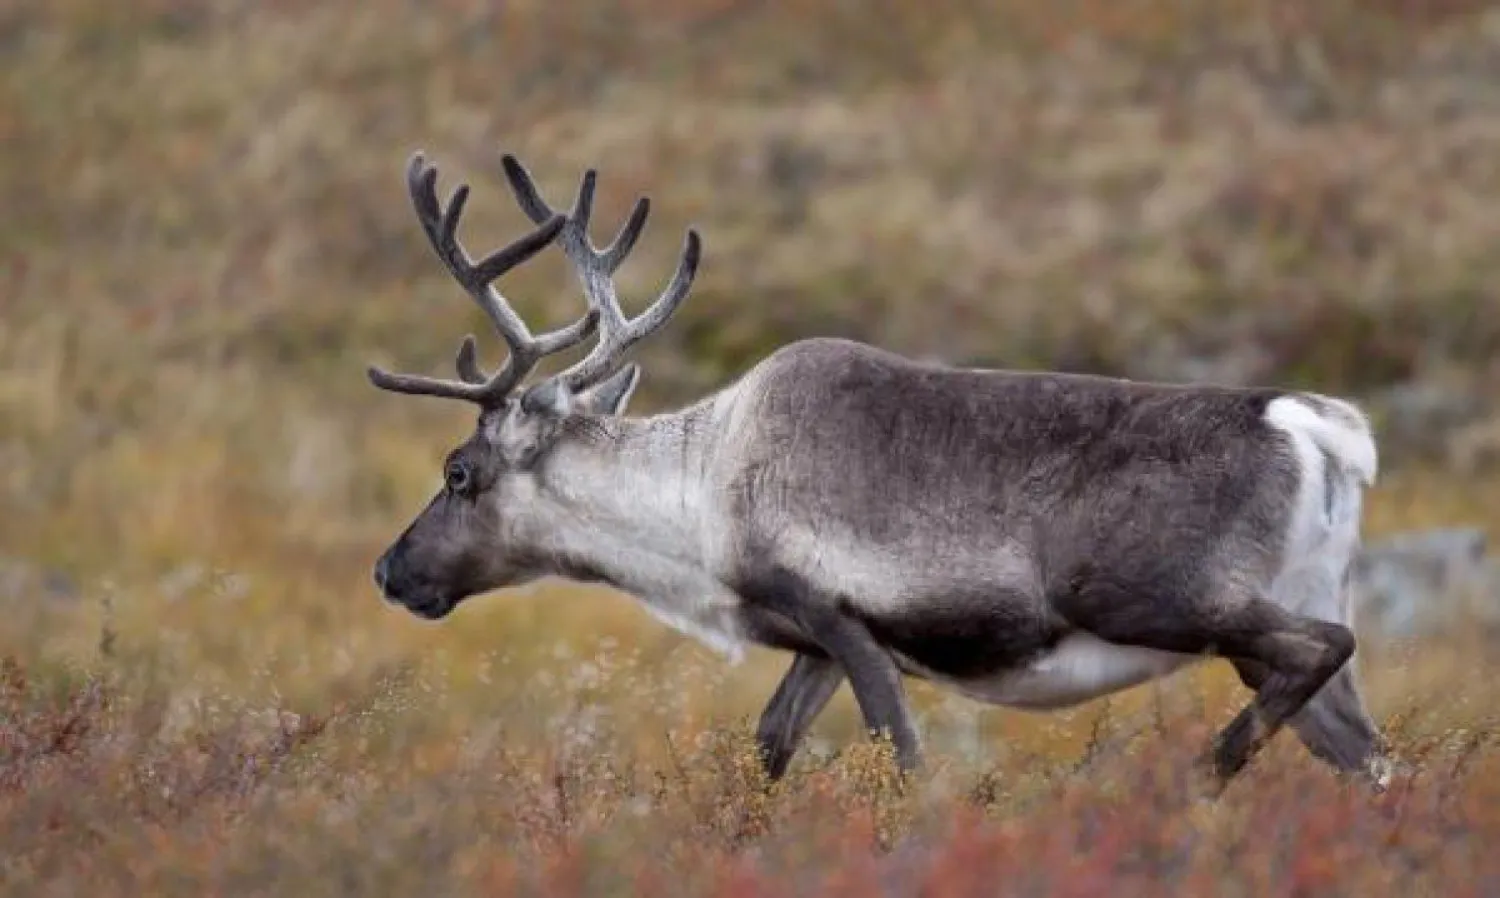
pixel 630 501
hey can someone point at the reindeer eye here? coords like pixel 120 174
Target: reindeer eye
pixel 457 476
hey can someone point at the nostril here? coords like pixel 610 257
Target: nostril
pixel 382 572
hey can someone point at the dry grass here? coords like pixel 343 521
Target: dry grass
pixel 542 782
pixel 205 239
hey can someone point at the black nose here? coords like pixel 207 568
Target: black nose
pixel 382 571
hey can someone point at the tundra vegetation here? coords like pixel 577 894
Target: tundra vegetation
pixel 207 236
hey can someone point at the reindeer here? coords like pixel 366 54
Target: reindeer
pixel 1029 539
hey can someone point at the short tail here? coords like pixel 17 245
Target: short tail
pixel 1339 428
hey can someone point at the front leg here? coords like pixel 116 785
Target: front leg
pixel 872 673
pixel 821 621
pixel 804 691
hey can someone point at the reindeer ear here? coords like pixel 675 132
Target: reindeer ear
pixel 547 398
pixel 611 395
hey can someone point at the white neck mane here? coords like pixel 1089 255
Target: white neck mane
pixel 632 505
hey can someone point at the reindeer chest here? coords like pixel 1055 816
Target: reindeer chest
pixel 700 607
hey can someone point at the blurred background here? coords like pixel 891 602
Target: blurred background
pixel 205 238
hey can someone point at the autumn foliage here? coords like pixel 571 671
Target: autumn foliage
pixel 204 237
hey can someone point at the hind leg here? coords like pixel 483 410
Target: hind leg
pixel 1335 725
pixel 1299 655
pixel 1292 655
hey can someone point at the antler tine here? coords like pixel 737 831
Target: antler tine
pixel 616 340
pixel 614 254
pixel 594 267
pixel 575 240
pixel 441 227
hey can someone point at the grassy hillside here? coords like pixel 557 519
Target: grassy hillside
pixel 206 237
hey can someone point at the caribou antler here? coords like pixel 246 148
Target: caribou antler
pixel 441 226
pixel 617 334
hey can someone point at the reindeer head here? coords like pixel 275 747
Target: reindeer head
pixel 487 527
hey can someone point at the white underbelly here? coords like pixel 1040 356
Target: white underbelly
pixel 1079 668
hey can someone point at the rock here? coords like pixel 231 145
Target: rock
pixel 21 580
pixel 1417 419
pixel 1416 583
pixel 1475 449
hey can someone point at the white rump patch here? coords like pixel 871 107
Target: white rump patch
pixel 1341 430
pixel 1323 532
